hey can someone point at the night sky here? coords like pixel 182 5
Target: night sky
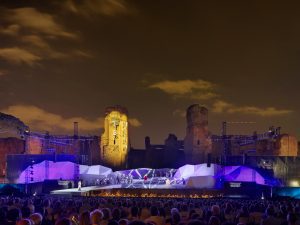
pixel 66 60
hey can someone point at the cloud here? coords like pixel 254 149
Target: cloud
pixel 82 54
pixel 225 107
pixel 35 40
pixel 11 30
pixel 41 47
pixel 193 89
pixel 3 73
pixel 18 56
pixel 134 122
pixel 37 21
pixel 102 7
pixel 40 120
pixel 221 106
pixel 205 90
pixel 36 51
pixel 34 34
pixel 179 112
pixel 203 96
pixel 38 45
pixel 182 86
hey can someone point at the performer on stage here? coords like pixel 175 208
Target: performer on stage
pixel 79 185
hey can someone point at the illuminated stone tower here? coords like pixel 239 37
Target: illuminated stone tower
pixel 197 143
pixel 114 140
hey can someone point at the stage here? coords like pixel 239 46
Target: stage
pixel 149 184
pixel 152 188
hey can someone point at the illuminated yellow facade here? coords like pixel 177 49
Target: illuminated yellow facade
pixel 114 140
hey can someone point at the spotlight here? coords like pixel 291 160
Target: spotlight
pixel 294 183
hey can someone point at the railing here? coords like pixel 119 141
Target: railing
pixel 3 180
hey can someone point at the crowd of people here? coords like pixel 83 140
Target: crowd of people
pixel 147 211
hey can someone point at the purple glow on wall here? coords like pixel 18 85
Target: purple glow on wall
pixel 228 173
pixel 48 170
pixel 242 174
pixel 196 170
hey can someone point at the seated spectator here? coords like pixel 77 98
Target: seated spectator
pixel 256 214
pixel 13 215
pixel 214 220
pixel 24 222
pixel 243 216
pixel 134 213
pixel 144 212
pixel 196 222
pixel 175 218
pixel 96 217
pixel 292 218
pixel 36 218
pixel 25 210
pixel 184 214
pixel 215 211
pixel 123 222
pixel 155 217
pixel 106 216
pixel 113 222
pixel 84 218
pixel 63 221
pixel 229 215
pixel 116 214
pixel 137 222
pixel 270 218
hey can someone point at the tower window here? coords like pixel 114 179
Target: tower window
pixel 198 142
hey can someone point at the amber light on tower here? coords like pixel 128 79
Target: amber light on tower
pixel 114 140
pixel 197 143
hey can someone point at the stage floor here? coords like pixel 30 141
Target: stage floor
pixel 136 184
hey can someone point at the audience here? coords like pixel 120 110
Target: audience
pixel 146 211
pixel 84 218
pixel 36 218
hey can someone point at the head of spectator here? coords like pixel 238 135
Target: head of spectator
pixel 3 213
pixel 96 217
pixel 195 216
pixel 244 211
pixel 134 211
pixel 116 214
pixel 184 208
pixel 13 215
pixel 106 213
pixel 112 222
pixel 24 222
pixel 214 220
pixel 154 211
pixel 63 221
pixel 270 211
pixel 291 218
pixel 36 218
pixel 162 212
pixel 124 213
pixel 46 203
pixel 174 210
pixel 215 210
pixel 175 216
pixel 84 218
pixel 195 222
pixel 137 222
pixel 193 211
pixel 25 212
pixel 123 222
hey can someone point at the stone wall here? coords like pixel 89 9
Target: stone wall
pixel 9 146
